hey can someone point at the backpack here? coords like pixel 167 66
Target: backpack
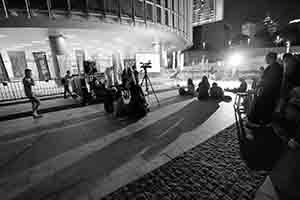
pixel 63 81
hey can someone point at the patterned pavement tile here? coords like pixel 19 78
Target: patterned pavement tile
pixel 213 170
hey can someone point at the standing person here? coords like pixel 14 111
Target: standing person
pixel 136 74
pixel 268 92
pixel 257 79
pixel 66 82
pixel 28 82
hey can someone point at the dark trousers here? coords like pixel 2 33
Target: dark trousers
pixel 67 91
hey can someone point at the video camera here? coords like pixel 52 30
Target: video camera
pixel 146 65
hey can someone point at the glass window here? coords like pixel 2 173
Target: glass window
pixel 126 7
pixel 166 3
pixel 173 5
pixel 173 20
pixel 139 8
pixel 181 24
pixel 96 5
pixel 158 2
pixel 158 14
pixel 38 4
pixel 166 17
pixel 149 12
pixel 177 2
pixel 59 4
pixel 112 6
pixel 11 4
pixel 181 7
pixel 78 4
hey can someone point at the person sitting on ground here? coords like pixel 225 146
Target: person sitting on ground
pixel 28 82
pixel 203 88
pixel 216 92
pixel 190 89
pixel 241 89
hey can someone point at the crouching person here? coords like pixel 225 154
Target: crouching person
pixel 216 92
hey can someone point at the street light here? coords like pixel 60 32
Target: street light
pixel 235 59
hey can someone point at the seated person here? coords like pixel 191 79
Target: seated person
pixel 203 88
pixel 241 89
pixel 216 92
pixel 190 89
pixel 131 99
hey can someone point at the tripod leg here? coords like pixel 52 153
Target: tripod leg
pixel 147 79
pixel 142 82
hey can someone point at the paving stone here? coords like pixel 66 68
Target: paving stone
pixel 212 170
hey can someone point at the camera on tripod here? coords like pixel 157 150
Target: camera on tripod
pixel 146 65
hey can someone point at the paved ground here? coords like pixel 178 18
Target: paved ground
pixel 25 109
pixel 211 171
pixel 89 157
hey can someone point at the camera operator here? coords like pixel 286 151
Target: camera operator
pixel 135 74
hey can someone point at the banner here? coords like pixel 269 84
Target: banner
pixel 3 72
pixel 42 65
pixel 18 63
pixel 80 57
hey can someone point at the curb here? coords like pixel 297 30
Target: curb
pixel 58 108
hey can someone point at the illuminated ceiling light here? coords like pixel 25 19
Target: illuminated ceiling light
pixel 69 36
pixel 294 21
pixel 75 44
pixel 38 42
pixel 3 36
pixel 26 45
pixel 18 47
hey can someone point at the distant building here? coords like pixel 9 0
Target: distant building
pixel 207 11
pixel 270 24
pixel 249 29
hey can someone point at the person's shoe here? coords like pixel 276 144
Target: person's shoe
pixel 36 116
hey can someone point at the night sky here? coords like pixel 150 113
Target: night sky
pixel 238 11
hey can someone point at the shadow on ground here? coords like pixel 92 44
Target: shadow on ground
pixel 147 143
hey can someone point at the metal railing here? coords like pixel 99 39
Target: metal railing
pixel 12 91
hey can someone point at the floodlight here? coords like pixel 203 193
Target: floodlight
pixel 235 59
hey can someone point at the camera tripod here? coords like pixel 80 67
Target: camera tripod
pixel 148 83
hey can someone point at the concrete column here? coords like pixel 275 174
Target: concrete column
pixel 117 67
pixel 164 57
pixel 180 60
pixel 174 60
pixel 58 47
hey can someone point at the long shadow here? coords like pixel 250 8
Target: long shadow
pixel 184 121
pixel 146 143
pixel 65 139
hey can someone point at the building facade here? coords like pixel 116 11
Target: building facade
pixel 100 29
pixel 207 11
pixel 249 29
